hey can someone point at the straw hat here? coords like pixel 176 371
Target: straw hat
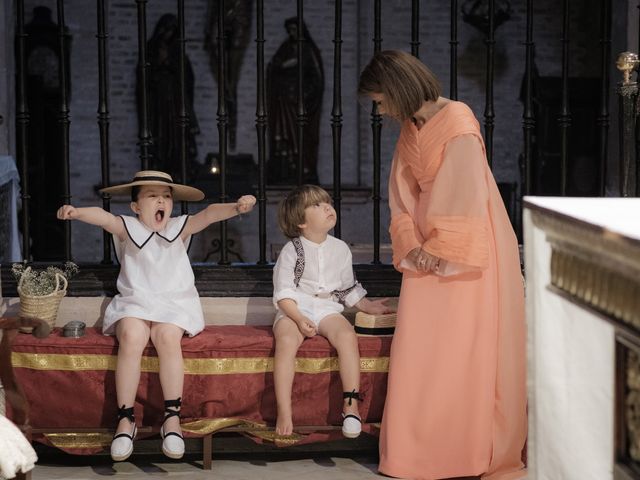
pixel 154 177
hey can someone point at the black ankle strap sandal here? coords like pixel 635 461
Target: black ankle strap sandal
pixel 169 412
pixel 128 414
pixel 353 395
pixel 124 412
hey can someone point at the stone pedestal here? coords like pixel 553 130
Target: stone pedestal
pixel 582 264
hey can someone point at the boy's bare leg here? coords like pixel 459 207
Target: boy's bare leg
pixel 166 338
pixel 341 335
pixel 133 336
pixel 288 340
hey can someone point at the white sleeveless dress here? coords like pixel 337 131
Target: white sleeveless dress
pixel 156 281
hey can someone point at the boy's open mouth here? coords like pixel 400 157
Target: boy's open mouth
pixel 159 215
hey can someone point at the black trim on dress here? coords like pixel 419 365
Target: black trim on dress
pixel 129 234
pixel 178 234
pixel 115 251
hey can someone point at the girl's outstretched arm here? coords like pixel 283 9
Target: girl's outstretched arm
pixel 94 216
pixel 217 212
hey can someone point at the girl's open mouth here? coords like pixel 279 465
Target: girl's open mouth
pixel 159 215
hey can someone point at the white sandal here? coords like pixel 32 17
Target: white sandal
pixel 351 424
pixel 172 442
pixel 122 443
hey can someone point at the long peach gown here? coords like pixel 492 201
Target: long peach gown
pixel 456 401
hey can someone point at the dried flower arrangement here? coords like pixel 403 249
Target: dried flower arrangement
pixel 42 290
pixel 39 283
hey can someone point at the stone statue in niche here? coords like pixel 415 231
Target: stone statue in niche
pixel 237 34
pixel 282 96
pixel 163 99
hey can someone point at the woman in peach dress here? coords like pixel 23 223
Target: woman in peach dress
pixel 456 401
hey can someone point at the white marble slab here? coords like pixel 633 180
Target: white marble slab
pixel 616 215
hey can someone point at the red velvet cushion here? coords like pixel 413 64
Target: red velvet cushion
pixel 70 383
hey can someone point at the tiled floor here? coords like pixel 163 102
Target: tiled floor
pixel 316 468
pixel 235 458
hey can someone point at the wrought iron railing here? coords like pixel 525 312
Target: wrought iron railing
pixel 145 139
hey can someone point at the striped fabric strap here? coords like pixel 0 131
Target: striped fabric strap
pixel 299 268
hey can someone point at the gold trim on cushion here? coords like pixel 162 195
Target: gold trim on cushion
pixel 57 361
pixel 205 426
pixel 79 440
pixel 192 366
pixel 279 440
pixel 374 364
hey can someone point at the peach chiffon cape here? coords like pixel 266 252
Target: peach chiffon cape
pixel 456 401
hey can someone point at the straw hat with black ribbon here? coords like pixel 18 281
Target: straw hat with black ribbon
pixel 153 177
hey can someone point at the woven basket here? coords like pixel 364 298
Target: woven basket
pixel 44 307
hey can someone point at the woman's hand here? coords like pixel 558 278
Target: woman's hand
pixel 67 212
pixel 374 307
pixel 245 204
pixel 424 262
pixel 307 327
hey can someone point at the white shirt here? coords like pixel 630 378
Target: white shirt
pixel 156 281
pixel 328 268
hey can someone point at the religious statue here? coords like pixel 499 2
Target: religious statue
pixel 163 97
pixel 237 34
pixel 282 96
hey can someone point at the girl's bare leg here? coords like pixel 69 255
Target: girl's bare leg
pixel 133 336
pixel 288 340
pixel 341 335
pixel 166 338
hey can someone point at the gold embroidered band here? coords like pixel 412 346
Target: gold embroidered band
pixel 192 366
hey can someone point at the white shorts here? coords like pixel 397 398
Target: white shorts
pixel 314 308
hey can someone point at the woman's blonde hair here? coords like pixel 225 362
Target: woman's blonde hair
pixel 291 211
pixel 404 80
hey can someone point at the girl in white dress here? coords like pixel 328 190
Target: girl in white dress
pixel 157 298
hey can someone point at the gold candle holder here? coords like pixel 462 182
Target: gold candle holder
pixel 627 62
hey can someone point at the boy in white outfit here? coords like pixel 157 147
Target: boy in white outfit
pixel 157 298
pixel 313 275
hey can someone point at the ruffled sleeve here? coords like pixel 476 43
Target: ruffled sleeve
pixel 457 222
pixel 404 193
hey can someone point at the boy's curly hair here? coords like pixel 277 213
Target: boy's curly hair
pixel 291 211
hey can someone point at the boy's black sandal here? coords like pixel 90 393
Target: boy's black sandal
pixel 122 443
pixel 172 442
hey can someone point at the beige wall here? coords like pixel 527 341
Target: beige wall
pixel 217 311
